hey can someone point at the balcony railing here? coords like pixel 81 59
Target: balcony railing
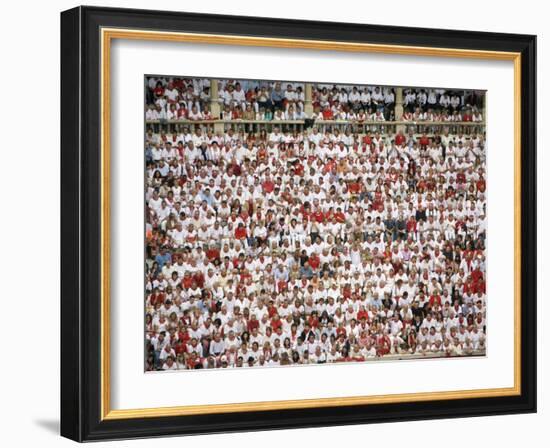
pixel 361 127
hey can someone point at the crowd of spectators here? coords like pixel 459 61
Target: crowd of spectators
pixel 268 249
pixel 442 105
pixel 176 99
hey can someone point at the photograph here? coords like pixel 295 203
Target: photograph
pixel 280 222
pixel 297 223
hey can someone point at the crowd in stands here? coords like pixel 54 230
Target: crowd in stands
pixel 175 99
pixel 274 249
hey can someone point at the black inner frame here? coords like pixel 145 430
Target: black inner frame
pixel 81 223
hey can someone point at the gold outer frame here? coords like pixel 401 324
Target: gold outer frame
pixel 107 35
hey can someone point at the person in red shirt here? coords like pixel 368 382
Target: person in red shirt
pixel 181 113
pixel 193 360
pixel 378 202
pixel 236 113
pixel 159 90
pixel 367 139
pixel 252 323
pixel 268 185
pixel 330 166
pixel 340 216
pixel 362 314
pixel 240 232
pixel 355 186
pixel 411 226
pixel 262 153
pixel 276 322
pixel 213 253
pixel 198 279
pixel 313 320
pixel 272 309
pixel 187 280
pixel 424 141
pixel 346 290
pixel 468 287
pixel 341 332
pixel 282 285
pixel 180 346
pixel 461 179
pixel 383 344
pixel 314 261
pixel 318 215
pixel 477 275
pixel 400 139
pixel 327 113
pixel 481 185
pixel 157 298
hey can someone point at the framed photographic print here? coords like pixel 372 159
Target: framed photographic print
pixel 274 223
